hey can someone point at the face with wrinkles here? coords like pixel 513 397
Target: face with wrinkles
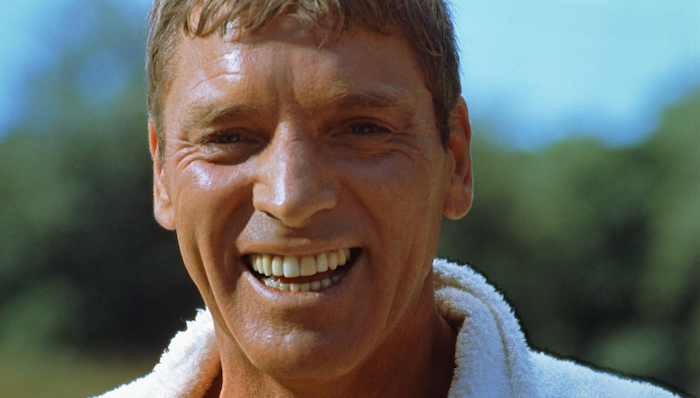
pixel 306 184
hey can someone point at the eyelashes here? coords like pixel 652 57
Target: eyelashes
pixel 366 128
pixel 223 138
pixel 234 136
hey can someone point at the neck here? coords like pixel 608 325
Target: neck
pixel 417 360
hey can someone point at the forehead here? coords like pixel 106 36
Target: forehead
pixel 282 55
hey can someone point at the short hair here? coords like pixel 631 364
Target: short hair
pixel 425 24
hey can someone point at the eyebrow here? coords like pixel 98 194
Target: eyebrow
pixel 373 98
pixel 365 99
pixel 205 115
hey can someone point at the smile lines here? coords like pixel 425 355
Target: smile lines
pixel 276 271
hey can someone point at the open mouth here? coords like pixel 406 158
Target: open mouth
pixel 302 274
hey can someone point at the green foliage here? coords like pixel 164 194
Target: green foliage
pixel 82 261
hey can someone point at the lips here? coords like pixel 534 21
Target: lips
pixel 300 274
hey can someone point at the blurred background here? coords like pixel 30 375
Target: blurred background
pixel 587 188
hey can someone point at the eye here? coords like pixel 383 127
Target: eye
pixel 223 138
pixel 366 129
pixel 230 145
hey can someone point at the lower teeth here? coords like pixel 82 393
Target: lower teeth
pixel 302 287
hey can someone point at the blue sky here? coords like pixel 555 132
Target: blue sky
pixel 554 67
pixel 537 70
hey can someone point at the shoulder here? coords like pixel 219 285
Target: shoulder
pixel 563 378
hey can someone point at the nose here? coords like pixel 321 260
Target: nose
pixel 293 181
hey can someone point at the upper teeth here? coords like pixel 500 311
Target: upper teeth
pixel 292 266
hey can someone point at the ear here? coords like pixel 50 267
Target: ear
pixel 162 205
pixel 458 198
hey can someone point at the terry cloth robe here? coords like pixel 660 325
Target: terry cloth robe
pixel 492 358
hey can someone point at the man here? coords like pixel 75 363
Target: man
pixel 304 152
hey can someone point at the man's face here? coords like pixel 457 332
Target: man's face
pixel 280 150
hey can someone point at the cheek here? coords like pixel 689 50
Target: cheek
pixel 398 198
pixel 401 197
pixel 207 194
pixel 212 208
pixel 399 188
pixel 198 190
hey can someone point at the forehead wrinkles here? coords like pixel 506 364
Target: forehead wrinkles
pixel 298 73
pixel 316 77
pixel 303 75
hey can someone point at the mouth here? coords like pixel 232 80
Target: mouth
pixel 302 274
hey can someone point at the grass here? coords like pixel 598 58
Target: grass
pixel 65 374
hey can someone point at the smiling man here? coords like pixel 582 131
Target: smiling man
pixel 305 152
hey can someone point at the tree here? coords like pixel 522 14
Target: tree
pixel 82 261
